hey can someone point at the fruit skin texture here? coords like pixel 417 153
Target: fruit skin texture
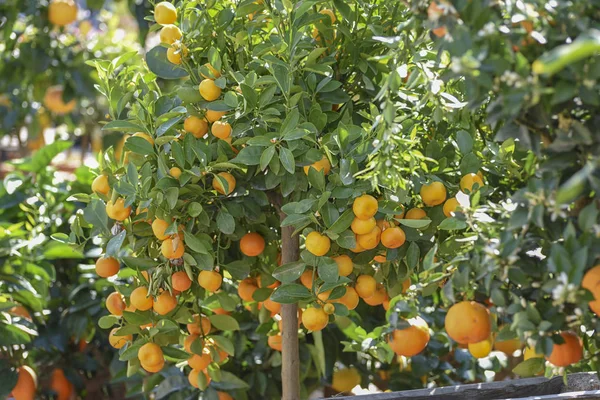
pixel 164 303
pixel 345 265
pixel 107 267
pixel 350 299
pixel 200 326
pixel 175 172
pixel 252 244
pixel 118 341
pixel 62 12
pixel 365 206
pixel 140 300
pixel 26 384
pixel 165 13
pixel 370 240
pixel 246 289
pixel 53 101
pixel 209 90
pixel 175 53
pixel 315 319
pixel 317 244
pixel 591 282
pixel 151 357
pixel 378 297
pixel 181 281
pixel 199 362
pixel 221 129
pixel 321 165
pixel 196 126
pixel 433 193
pixel 415 213
pixel 115 304
pixel 61 385
pixel 468 181
pixel 570 352
pixel 468 322
pixel 275 342
pixel 117 210
pixel 193 377
pixel 172 248
pixel 508 347
pixel 450 206
pixel 169 34
pixel 210 280
pixel 212 116
pixel 100 185
pixel 481 349
pixel 159 227
pixel 344 380
pixel 363 226
pixel 392 238
pixel 230 183
pixel 412 340
pixel 365 286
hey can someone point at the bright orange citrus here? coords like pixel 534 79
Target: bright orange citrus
pixel 181 281
pixel 218 186
pixel 252 244
pixel 410 341
pixel 570 352
pixel 210 280
pixel 433 193
pixel 393 238
pixel 365 286
pixel 468 322
pixel 100 185
pixel 115 304
pixel 209 90
pixel 314 319
pixel 140 299
pixel 107 267
pixel 344 264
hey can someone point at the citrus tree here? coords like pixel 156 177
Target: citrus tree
pixel 320 159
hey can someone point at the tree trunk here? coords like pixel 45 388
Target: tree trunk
pixel 290 366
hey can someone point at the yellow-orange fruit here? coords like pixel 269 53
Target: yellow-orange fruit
pixel 350 298
pixel 314 319
pixel 221 129
pixel 53 101
pixel 450 206
pixel 169 34
pixel 393 238
pixel 433 193
pixel 415 213
pixel 100 185
pixel 196 126
pixel 275 342
pixel 344 264
pixel 200 326
pixel 107 267
pixel 317 243
pixel 210 280
pixel 378 297
pixel 321 165
pixel 60 385
pixel 172 248
pixel 230 179
pixel 165 13
pixel 246 289
pixel 209 90
pixel 212 116
pixel 410 341
pixel 181 281
pixel 26 384
pixel 62 12
pixel 117 210
pixel 115 304
pixel 365 206
pixel 363 226
pixel 468 182
pixel 468 322
pixel 591 282
pixel 140 299
pixel 164 303
pixel 365 286
pixel 118 341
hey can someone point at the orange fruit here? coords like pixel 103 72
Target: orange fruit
pixel 53 101
pixel 468 322
pixel 165 13
pixel 151 357
pixel 468 181
pixel 169 34
pixel 365 286
pixel 344 264
pixel 271 286
pixel 275 342
pixel 393 238
pixel 187 342
pixel 221 129
pixel 365 206
pixel 210 280
pixel 209 90
pixel 26 384
pixel 591 282
pixel 508 347
pixel 212 69
pixel 570 352
pixel 382 224
pixel 481 349
pixel 380 258
pixel 321 165
pixel 172 248
pixel 218 186
pixel 62 12
pixel 164 303
pixel 317 243
pixel 330 13
pixel 410 341
pixel 100 185
pixel 196 126
pixel 107 267
pixel 20 311
pixel 406 285
pixel 378 297
pixel 344 380
pixel 329 308
pixel 117 210
pixel 118 341
pixel 175 53
pixel 433 193
pixel 415 213
pixel 115 304
pixel 159 227
pixel 246 289
pixel 363 226
pixel 307 278
pixel 272 306
pixel 200 326
pixel 252 244
pixel 181 281
pixel 144 136
pixel 200 362
pixel 531 353
pixel 440 31
pixel 451 205
pixel 370 240
pixel 140 299
pixel 358 248
pixel 224 396
pixel 193 377
pixel 315 319
pixel 212 116
pixel 60 385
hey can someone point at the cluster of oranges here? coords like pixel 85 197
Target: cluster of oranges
pixel 27 384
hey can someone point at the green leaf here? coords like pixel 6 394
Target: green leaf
pixel 139 263
pixel 139 145
pixel 290 122
pixel 115 243
pixel 224 344
pixel 343 222
pixel 346 240
pixel 290 293
pixel 328 270
pixel 289 272
pixel 287 159
pixel 531 367
pixel 194 209
pixel 108 321
pixel 412 255
pixel 562 56
pixel 224 322
pixel 225 222
pixel 465 141
pixel 414 223
pixel 450 224
pixel 195 243
pixel 57 251
pixel 175 354
pixel 266 156
pixel 249 155
pixel 44 156
pixel 123 126
pixel 157 62
pixel 229 382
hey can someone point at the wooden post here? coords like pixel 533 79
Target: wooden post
pixel 290 364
